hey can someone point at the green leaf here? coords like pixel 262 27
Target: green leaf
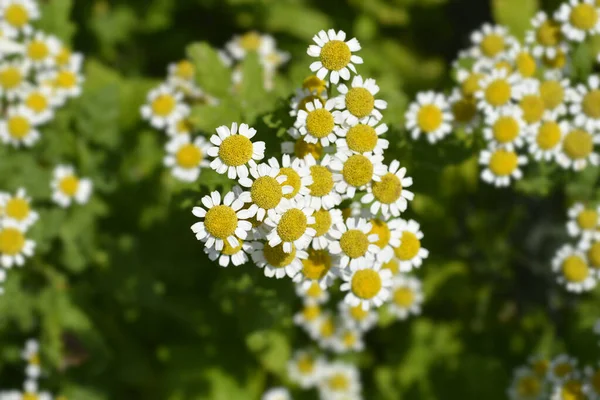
pixel 211 74
pixel 55 19
pixel 516 14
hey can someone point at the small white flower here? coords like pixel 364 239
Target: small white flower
pixel 347 339
pixel 14 245
pixel 164 106
pixel 356 172
pixel 19 128
pixel 389 194
pixel 185 157
pixel 305 369
pixel 325 221
pixel 363 138
pixel 406 298
pixel 583 221
pixel 579 19
pixel 291 225
pixel 311 291
pixel 358 101
pixel 68 187
pixel 526 385
pixel 505 127
pixel 501 166
pixel 357 317
pixel 276 393
pixel 251 41
pixel 335 55
pixel 19 14
pixel 573 270
pixel 321 192
pixel 266 190
pixel 41 50
pixel 321 267
pixel 430 116
pixel 570 388
pixel 410 253
pixel 545 138
pixel 367 285
pixel 297 175
pixel 67 83
pixel 497 89
pixel 545 37
pixel 40 102
pixel 585 104
pixel 18 208
pixel 276 262
pixel 340 381
pixel 577 150
pixel 354 243
pixel 561 368
pixel 491 42
pixel 553 93
pixel 319 123
pixel 13 78
pixel 230 255
pixel 464 111
pixel 309 317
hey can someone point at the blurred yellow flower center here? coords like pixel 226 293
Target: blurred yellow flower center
pixel 12 241
pixel 349 339
pixel 311 312
pixel 319 123
pixel 292 225
pixel 471 84
pixel 540 367
pixel 163 105
pixel 404 297
pixel 354 243
pixel 572 390
pixel 595 381
pixel 10 77
pixel 16 15
pixel 381 229
pixel 302 148
pixel 357 313
pixel 532 107
pixel 37 102
pixel 552 94
pixel 503 162
pixel 409 246
pixel 276 257
pixel 235 150
pixel 314 291
pixel 548 34
pixel 38 50
pixel 360 102
pixel 229 250
pixel 322 181
pixel 322 222
pixel 327 328
pixel 366 284
pixel 305 364
pixel 317 265
pixel 563 369
pixel 492 44
pixel 464 110
pixel 588 219
pixel 335 55
pixel 69 185
pixel 429 118
pixel 30 396
pixel 221 221
pixel 558 62
pixel 529 386
pixel 578 144
pixel 338 383
pixel 309 99
pixel 66 79
pixel 392 265
pixel 17 208
pixel 575 269
pixel 505 129
pixel 292 179
pixel 34 359
pixel 498 92
pixel 183 126
pixel 548 136
pixel 63 57
pixel 357 170
pixel 189 156
pixel 361 138
pixel 266 192
pixel 526 64
pixel 594 255
pixel 314 84
pixel 584 16
pixel 18 127
pixel 591 104
pixel 185 70
pixel 250 41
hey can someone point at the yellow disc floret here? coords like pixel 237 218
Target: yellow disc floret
pixel 16 15
pixel 17 208
pixel 505 129
pixel 10 77
pixel 503 162
pixel 357 170
pixel 12 241
pixel 250 41
pixel 335 55
pixel 292 179
pixel 360 102
pixel 229 250
pixel 381 229
pixel 338 383
pixel 292 225
pixel 471 84
pixel 322 222
pixel 357 313
pixel 532 107
pixel 392 265
pixel 388 190
pixel 429 118
pixel 163 105
pixel 404 297
pixel 591 104
pixel 185 70
pixel 311 312
pixel 548 34
pixel 464 110
pixel 188 156
pixel 322 181
pixel 317 265
pixel 38 50
pixel 366 284
pixel 37 102
pixel 409 246
pixel 302 148
pixel 552 93
pixel 66 79
pixel 529 386
pixel 266 192
pixel 314 84
pixel 69 185
pixel 584 16
pixel 221 221
pixel 18 127
pixel 319 123
pixel 498 93
pixel 575 269
pixel 548 135
pixel 526 64
pixel 492 44
pixel 594 255
pixel 354 243
pixel 578 144
pixel 588 219
pixel 278 258
pixel 361 138
pixel 235 150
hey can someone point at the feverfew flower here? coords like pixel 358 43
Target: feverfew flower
pixel 358 101
pixel 186 157
pixel 497 89
pixel 335 55
pixel 305 369
pixel 19 14
pixel 583 221
pixel 319 123
pixel 367 285
pixel 276 262
pixel 577 150
pixel 572 269
pixel 491 42
pixel 505 127
pixel 410 253
pixel 363 138
pixel 354 243
pixel 429 115
pixel 406 297
pixel 545 138
pixel 164 106
pixel 68 187
pixel 526 385
pixel 18 128
pixel 545 37
pixel 579 19
pixel 585 104
pixel 501 166
pixel 18 209
pixel 14 245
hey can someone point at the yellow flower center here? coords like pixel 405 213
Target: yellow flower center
pixel 69 185
pixel 361 138
pixel 63 57
pixel 163 105
pixel 429 118
pixel 338 383
pixel 266 192
pixel 572 390
pixel 575 269
pixel 526 64
pixel 591 104
pixel 37 102
pixel 314 84
pixel 335 55
pixel 409 246
pixel 17 208
pixel 498 92
pixel 16 15
pixel 314 291
pixel 548 135
pixel 38 50
pixel 30 396
pixel 552 94
pixel 548 34
pixel 34 359
pixel 305 364
pixel 471 84
pixel 317 265
pixel 319 123
pixel 322 181
pixel 529 386
pixel 392 265
pixel 10 77
pixel 349 339
pixel 292 225
pixel 189 156
pixel 532 107
pixel 584 16
pixel 327 328
pixel 503 162
pixel 250 41
pixel 18 127
pixel 185 70
pixel 594 255
pixel 311 312
pixel 221 221
pixel 322 222
pixel 588 219
pixel 229 250
pixel 309 99
pixel 505 129
pixel 357 170
pixel 354 243
pixel 12 241
pixel 383 232
pixel 292 179
pixel 492 44
pixel 404 297
pixel 578 144
pixel 302 149
pixel 563 369
pixel 276 257
pixel 558 62
pixel 236 150
pixel 360 102
pixel 366 283
pixel 540 367
pixel 357 313
pixel 66 79
pixel 506 65
pixel 464 110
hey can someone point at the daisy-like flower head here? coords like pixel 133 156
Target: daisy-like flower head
pixel 319 123
pixel 67 187
pixel 562 367
pixel 501 166
pixel 308 318
pixel 355 243
pixel 66 82
pixel 19 128
pixel 14 245
pixel 497 89
pixel 577 149
pixel 572 269
pixel 250 42
pixel 297 176
pixel 182 126
pixel 545 138
pixel 276 262
pixel 315 85
pixel 410 253
pixel 65 58
pixel 340 381
pixel 221 222
pixel 19 14
pixel 579 19
pixel 388 237
pixel 305 369
pixel 233 150
pixel 363 138
pixel 570 388
pixel 300 148
pixel 323 330
pixel 464 111
pixel 367 285
pixel 319 267
pixel 355 172
pixel 540 365
pixel 591 247
pixel 184 70
pixel 393 265
pixel 335 55
pixel 469 80
pixel 276 393
pixel 164 106
pixel 186 157
pixel 583 221
pixel 592 382
pixel 347 339
pixel 585 104
pixel 546 37
pixel 531 104
pixel 321 191
pixel 266 190
pixel 18 208
pixel 554 94
pixel 304 96
pixel 407 297
pixel 311 291
pixel 491 42
pixel 357 317
pixel 41 50
pixel 358 101
pixel 291 225
pixel 429 115
pixel 13 78
pixel 525 63
pixel 39 101
pixel 505 127
pixel 31 354
pixel 526 385
pixel 237 255
pixel 325 221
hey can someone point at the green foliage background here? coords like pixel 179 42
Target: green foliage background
pixel 127 305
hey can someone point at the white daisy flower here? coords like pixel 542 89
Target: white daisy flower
pixel 591 247
pixel 572 269
pixel 571 388
pixel 31 355
pixel 18 208
pixel 358 101
pixel 164 106
pixel 291 225
pixel 304 96
pixel 347 339
pixel 266 190
pixel 583 221
pixel 577 150
pixel 237 255
pixel 186 157
pixel 469 80
pixel 323 330
pixel 340 381
pixel 354 243
pixel 321 192
pixel 357 317
pixel 491 42
pixel 234 151
pixel 545 138
pixel 250 42
pixel 505 127
pixel 319 267
pixel 297 176
pixel 501 166
pixel 19 14
pixel 531 103
pixel 276 262
pixel 325 221
pixel 592 382
pixel 554 94
pixel 497 89
pixel 183 70
pixel 309 317
pixel 41 50
pixel 311 293
pixel 367 285
pixel 67 187
pixel 540 365
pixel 388 237
pixel 14 245
pixel 182 126
pixel 221 222
pixel 389 194
pixel 407 297
pixel 355 172
pixel 561 367
pixel 67 83
pixel 65 58
pixel 276 393
pixel 19 128
pixel 363 138
pixel 318 124
pixel 526 385
pixel 545 37
pixel 585 104
pixel 410 253
pixel 525 63
pixel 429 115
pixel 464 111
pixel 13 78
pixel 335 55
pixel 579 19
pixel 305 369
pixel 40 102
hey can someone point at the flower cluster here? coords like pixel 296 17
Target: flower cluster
pixel 38 74
pixel 520 97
